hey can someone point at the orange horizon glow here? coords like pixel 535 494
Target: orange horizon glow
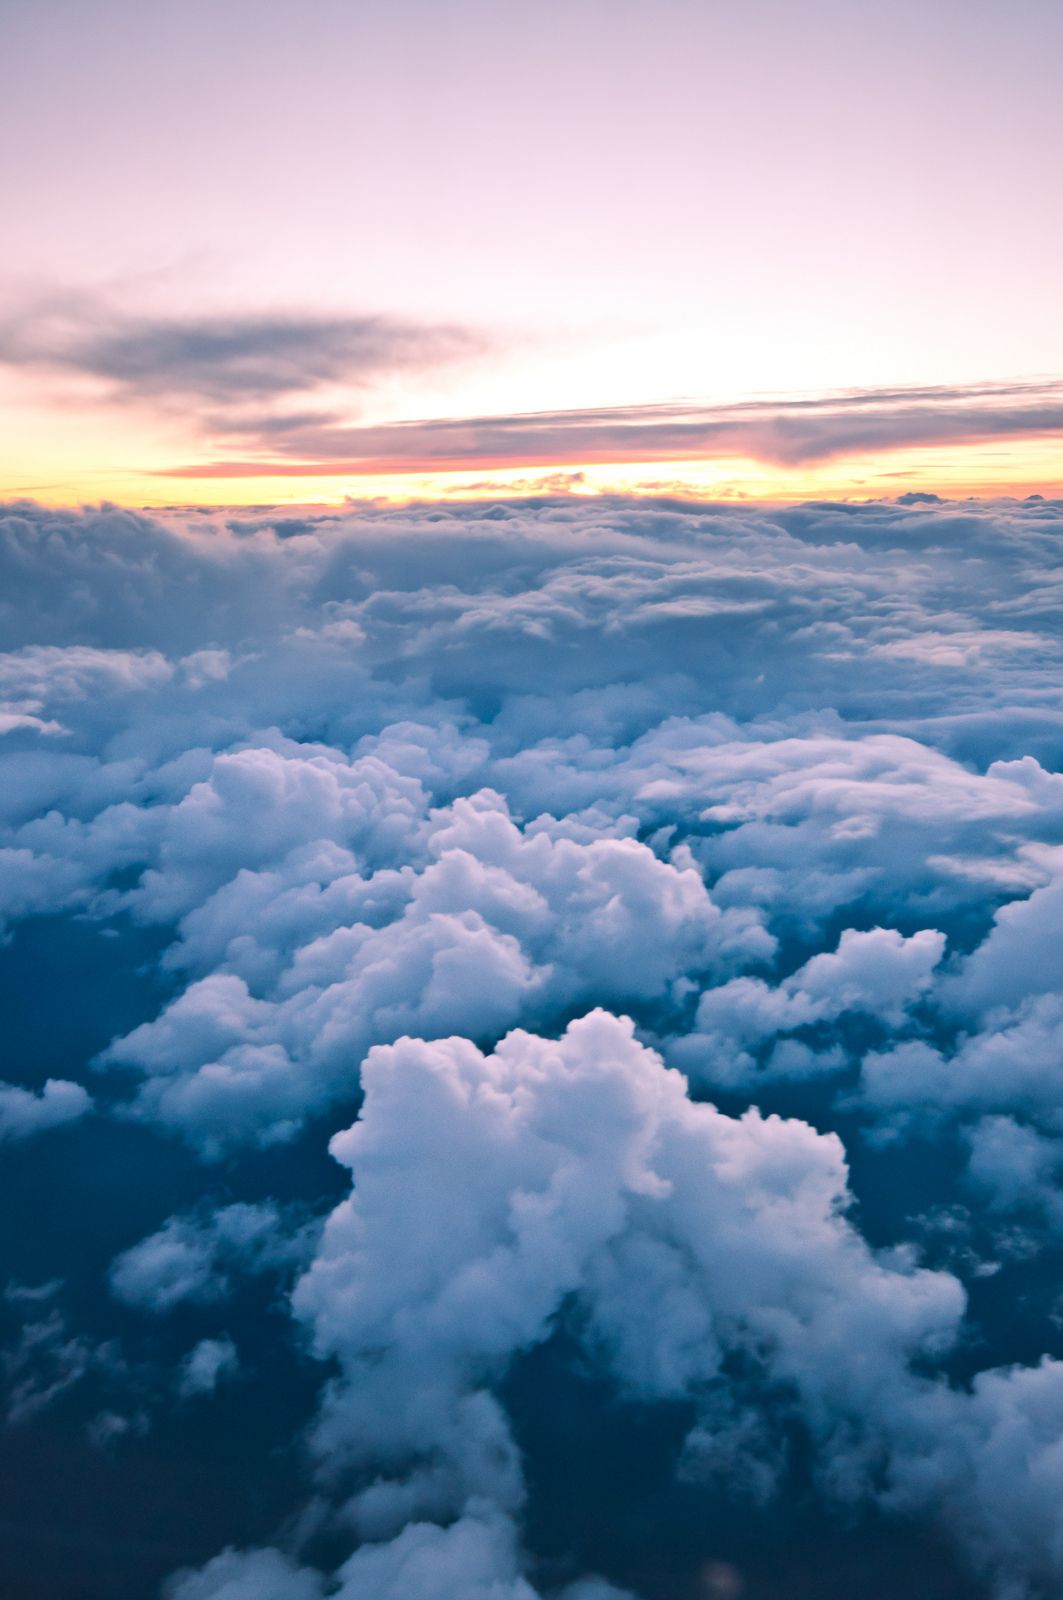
pixel 1015 469
pixel 70 442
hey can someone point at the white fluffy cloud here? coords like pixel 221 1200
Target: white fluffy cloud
pixel 1013 1064
pixel 1021 956
pixel 879 974
pixel 492 1189
pixel 489 923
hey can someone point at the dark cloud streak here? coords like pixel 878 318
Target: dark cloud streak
pixel 786 432
pixel 225 360
pixel 260 389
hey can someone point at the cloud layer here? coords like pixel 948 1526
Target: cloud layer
pixel 657 910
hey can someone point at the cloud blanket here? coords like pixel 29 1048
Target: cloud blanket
pixel 656 911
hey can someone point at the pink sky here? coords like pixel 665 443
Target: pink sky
pixel 606 204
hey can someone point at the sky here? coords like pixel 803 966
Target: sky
pixel 266 252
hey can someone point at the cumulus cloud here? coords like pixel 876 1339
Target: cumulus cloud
pixel 499 921
pixel 880 974
pixel 1002 1024
pixel 192 1258
pixel 23 1113
pixel 1021 956
pixel 492 1191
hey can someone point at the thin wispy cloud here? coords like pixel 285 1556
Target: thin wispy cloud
pixel 224 360
pixel 285 394
pixel 786 432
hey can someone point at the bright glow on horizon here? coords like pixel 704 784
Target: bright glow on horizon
pixel 1034 468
